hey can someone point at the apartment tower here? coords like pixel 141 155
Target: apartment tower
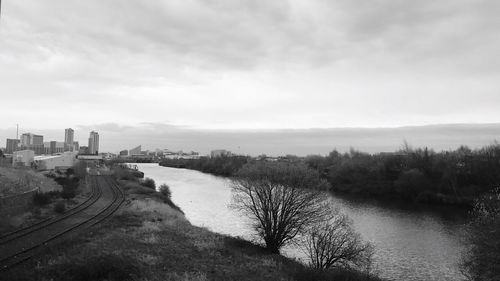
pixel 69 135
pixel 93 143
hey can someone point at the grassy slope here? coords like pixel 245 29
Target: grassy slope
pixel 17 180
pixel 9 178
pixel 150 240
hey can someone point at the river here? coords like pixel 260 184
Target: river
pixel 411 242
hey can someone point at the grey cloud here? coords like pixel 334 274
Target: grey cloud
pixel 108 127
pixel 248 34
pixel 431 58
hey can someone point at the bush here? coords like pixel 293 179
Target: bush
pixel 165 190
pixel 68 193
pixel 44 198
pixel 70 172
pixel 334 244
pixel 41 198
pixel 59 207
pixel 481 260
pixel 133 187
pixel 69 186
pixel 104 267
pixel 148 182
pixel 123 173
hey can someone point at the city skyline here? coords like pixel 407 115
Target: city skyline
pixel 36 142
pixel 281 142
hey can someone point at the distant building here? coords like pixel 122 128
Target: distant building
pixel 69 135
pixel 11 146
pixel 220 153
pixel 54 162
pixel 135 151
pixel 83 150
pixel 93 143
pixel 28 139
pixel 54 147
pixel 180 155
pixel 33 142
pixel 124 152
pixel 143 157
pixel 76 146
pixel 23 157
pixel 108 156
pixel 90 158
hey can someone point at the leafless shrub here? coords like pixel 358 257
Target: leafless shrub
pixel 336 244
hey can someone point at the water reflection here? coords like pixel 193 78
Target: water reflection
pixel 411 242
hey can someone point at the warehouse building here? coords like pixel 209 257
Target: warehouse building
pixel 23 157
pixel 55 162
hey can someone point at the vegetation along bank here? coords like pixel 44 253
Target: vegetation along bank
pixel 455 177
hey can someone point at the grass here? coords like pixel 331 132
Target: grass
pixel 44 202
pixel 17 180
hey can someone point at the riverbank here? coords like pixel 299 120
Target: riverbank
pixel 149 239
pixel 412 242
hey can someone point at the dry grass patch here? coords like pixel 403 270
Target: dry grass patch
pixel 18 180
pixel 153 210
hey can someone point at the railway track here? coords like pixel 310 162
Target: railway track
pixel 94 196
pixel 86 220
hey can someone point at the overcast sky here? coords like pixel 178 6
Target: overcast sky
pixel 248 65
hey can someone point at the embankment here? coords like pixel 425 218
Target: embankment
pixel 16 204
pixel 150 239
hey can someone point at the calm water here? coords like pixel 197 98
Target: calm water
pixel 410 243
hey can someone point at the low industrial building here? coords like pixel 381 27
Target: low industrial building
pixel 95 159
pixel 220 153
pixel 23 157
pixel 55 162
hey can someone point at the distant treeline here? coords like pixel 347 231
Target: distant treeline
pixel 221 166
pixel 450 177
pixel 421 175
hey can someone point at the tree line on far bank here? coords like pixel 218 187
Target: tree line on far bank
pixel 422 175
pixel 225 166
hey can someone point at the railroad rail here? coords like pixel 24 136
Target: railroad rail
pixel 24 254
pixel 94 196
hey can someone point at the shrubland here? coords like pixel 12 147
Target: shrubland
pixel 422 175
pixel 222 166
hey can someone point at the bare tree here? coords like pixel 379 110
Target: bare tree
pixel 282 200
pixel 335 243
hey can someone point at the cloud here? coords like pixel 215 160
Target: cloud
pixel 227 64
pixel 219 34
